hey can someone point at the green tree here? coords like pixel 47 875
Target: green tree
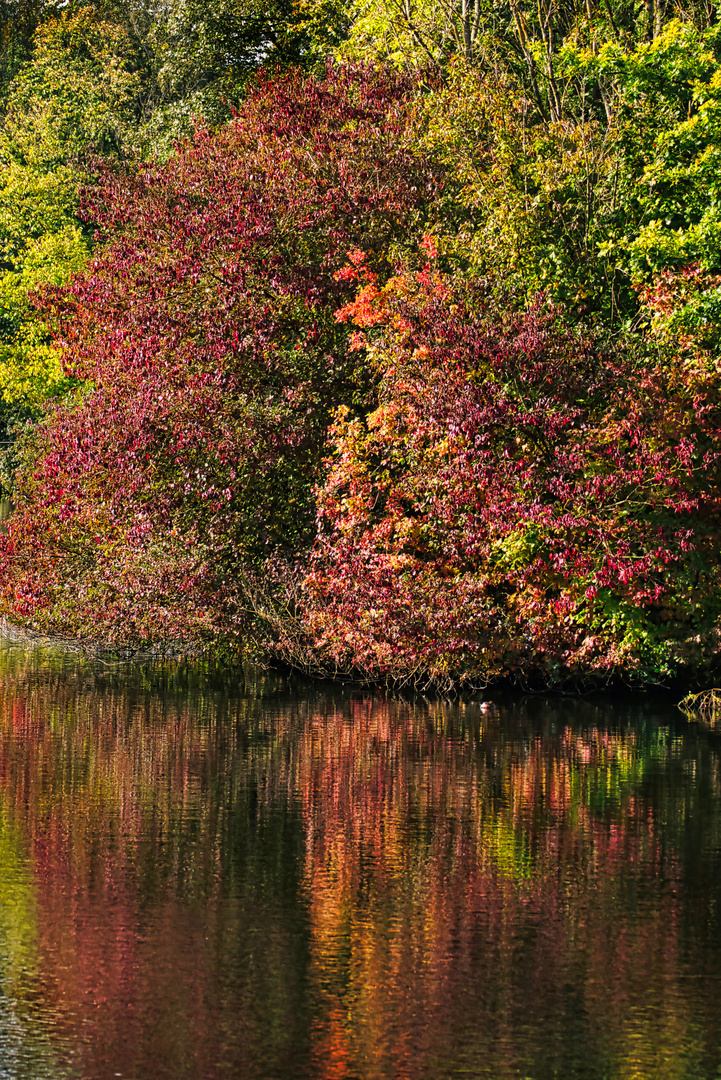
pixel 76 96
pixel 18 21
pixel 589 206
pixel 198 56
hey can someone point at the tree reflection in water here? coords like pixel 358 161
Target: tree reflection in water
pixel 204 876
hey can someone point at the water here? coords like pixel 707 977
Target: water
pixel 227 877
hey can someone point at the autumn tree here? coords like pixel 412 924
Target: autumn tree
pixel 522 503
pixel 205 332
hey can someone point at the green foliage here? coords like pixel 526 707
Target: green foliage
pixel 198 57
pixel 587 206
pixel 76 93
pixel 202 48
pixel 584 139
pixel 680 194
pixel 74 97
pixel 18 22
pixel 530 202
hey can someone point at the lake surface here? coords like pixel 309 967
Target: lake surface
pixel 225 876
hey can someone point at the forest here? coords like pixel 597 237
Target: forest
pixel 380 341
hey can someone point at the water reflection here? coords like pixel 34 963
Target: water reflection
pixel 222 876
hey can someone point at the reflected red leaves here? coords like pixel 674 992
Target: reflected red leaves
pixel 396 886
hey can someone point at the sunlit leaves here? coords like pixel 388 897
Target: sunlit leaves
pixel 207 328
pixel 74 97
pixel 521 502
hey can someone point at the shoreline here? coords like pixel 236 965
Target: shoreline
pixel 185 652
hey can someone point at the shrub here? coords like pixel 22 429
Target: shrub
pixel 522 502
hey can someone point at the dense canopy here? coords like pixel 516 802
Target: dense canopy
pixel 383 342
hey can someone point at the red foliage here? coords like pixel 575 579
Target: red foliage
pixel 520 501
pixel 205 330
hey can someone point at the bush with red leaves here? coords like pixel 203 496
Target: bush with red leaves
pixel 521 503
pixel 205 336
